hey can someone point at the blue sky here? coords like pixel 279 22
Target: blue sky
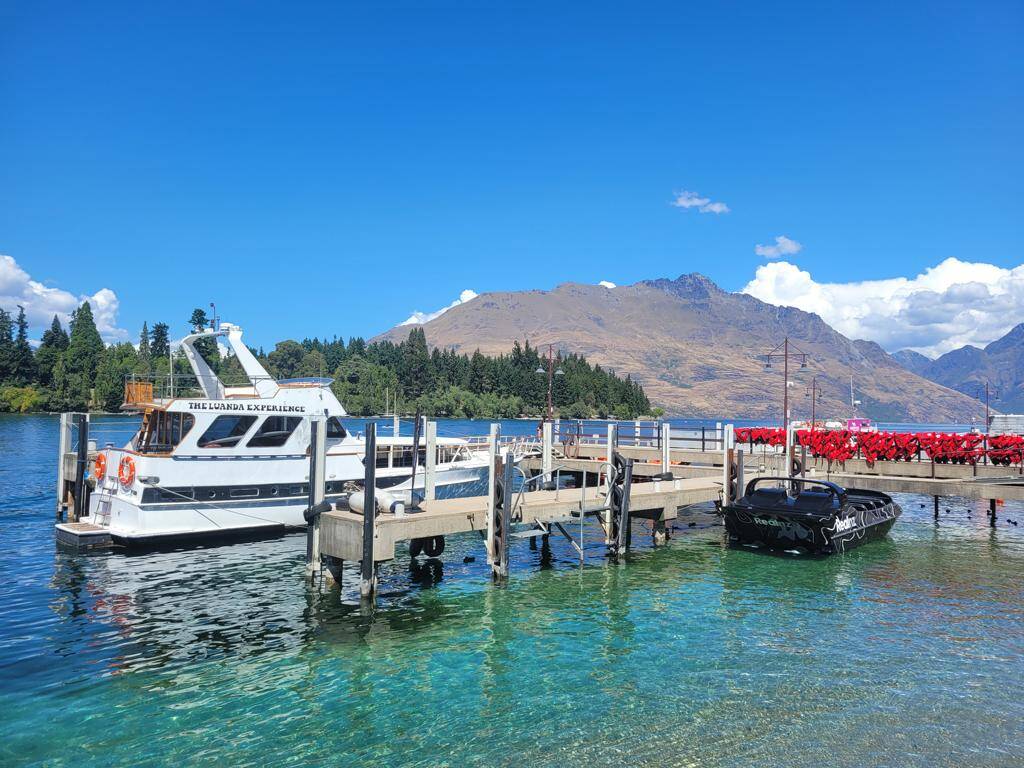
pixel 321 169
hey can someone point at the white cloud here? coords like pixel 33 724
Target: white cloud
pixel 945 307
pixel 41 302
pixel 783 247
pixel 418 317
pixel 688 200
pixel 607 284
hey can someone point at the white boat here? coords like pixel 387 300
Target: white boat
pixel 214 459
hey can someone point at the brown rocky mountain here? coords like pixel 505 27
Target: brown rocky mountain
pixel 967 369
pixel 695 349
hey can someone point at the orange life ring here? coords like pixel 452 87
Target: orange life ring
pixel 126 470
pixel 99 467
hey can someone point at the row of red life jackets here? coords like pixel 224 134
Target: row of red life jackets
pixel 943 447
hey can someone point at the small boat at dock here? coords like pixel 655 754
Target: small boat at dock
pixel 808 516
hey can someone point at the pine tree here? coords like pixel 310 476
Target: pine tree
pixel 85 347
pixel 54 341
pixel 160 343
pixel 6 347
pixel 23 363
pixel 206 347
pixel 145 364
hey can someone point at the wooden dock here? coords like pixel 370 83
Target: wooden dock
pixel 341 532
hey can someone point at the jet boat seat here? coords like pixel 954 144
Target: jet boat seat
pixel 813 501
pixel 767 497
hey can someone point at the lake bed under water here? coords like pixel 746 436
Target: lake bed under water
pixel 907 651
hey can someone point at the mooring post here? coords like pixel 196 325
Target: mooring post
pixel 935 501
pixel 727 460
pixel 610 448
pixel 666 446
pixel 499 570
pixel 82 459
pixel 430 473
pixel 493 459
pixel 992 512
pixel 63 447
pixel 368 567
pixel 317 490
pixel 547 449
pixel 623 527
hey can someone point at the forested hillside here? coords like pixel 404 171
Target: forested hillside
pixel 75 370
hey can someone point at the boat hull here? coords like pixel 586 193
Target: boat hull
pixel 131 523
pixel 810 534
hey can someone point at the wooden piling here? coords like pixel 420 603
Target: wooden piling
pixel 317 485
pixel 81 459
pixel 368 567
pixel 493 461
pixel 430 471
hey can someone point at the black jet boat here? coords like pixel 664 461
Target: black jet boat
pixel 810 516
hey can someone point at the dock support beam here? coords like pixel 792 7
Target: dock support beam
pixel 368 567
pixel 317 488
pixel 622 521
pixel 81 460
pixel 493 461
pixel 63 448
pixel 935 502
pixel 728 457
pixel 992 512
pixel 610 448
pixel 430 472
pixel 666 447
pixel 547 450
pixel 503 522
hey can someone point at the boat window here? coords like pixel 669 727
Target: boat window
pixel 226 431
pixel 274 431
pixel 335 430
pixel 162 431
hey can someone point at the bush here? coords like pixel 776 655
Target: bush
pixel 21 399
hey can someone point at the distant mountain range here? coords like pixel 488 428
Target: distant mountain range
pixel 966 370
pixel 696 349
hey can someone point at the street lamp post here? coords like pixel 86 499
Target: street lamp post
pixel 785 351
pixel 551 372
pixel 815 394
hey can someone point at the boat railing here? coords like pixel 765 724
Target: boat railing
pixel 142 390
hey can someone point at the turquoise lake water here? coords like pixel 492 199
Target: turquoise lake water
pixel 905 652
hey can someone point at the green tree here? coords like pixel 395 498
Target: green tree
pixel 206 347
pixel 286 358
pixel 7 363
pixel 160 343
pixel 53 343
pixel 415 365
pixel 116 362
pixel 85 347
pixel 24 363
pixel 145 363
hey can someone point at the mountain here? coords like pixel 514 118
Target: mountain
pixel 913 361
pixel 695 349
pixel 967 369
